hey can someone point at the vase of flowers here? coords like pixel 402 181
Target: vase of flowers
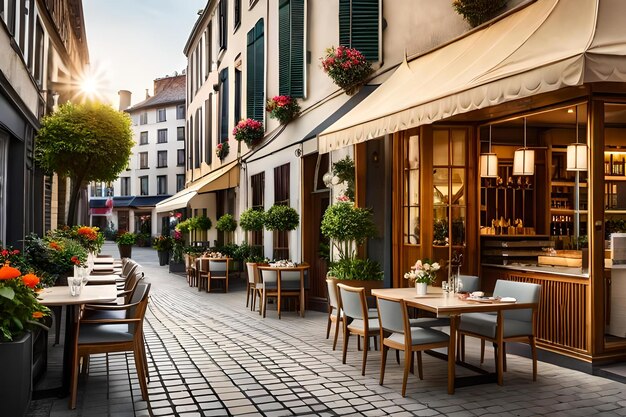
pixel 422 274
pixel 222 150
pixel 347 67
pixel 283 108
pixel 249 131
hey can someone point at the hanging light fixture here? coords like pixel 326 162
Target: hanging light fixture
pixel 577 153
pixel 524 159
pixel 489 162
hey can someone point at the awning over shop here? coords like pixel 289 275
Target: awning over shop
pixel 123 201
pixel 219 179
pixel 546 46
pixel 148 200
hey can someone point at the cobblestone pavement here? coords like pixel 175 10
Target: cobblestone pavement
pixel 209 355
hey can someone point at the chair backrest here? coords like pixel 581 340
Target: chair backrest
pixel 127 267
pixel 218 267
pixel 252 271
pixel 390 315
pixel 523 292
pixel 202 264
pixel 332 293
pixel 352 301
pixel 131 283
pixel 139 296
pixel 290 280
pixel 469 283
pixel 270 278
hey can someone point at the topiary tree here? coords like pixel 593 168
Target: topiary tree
pixel 477 12
pixel 348 227
pixel 85 142
pixel 281 218
pixel 252 220
pixel 226 223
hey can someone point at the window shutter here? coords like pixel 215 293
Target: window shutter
pixel 255 63
pixel 224 105
pixel 291 45
pixel 359 26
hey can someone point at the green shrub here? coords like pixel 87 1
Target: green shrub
pixel 354 268
pixel 226 223
pixel 282 218
pixel 477 12
pixel 252 220
pixel 127 238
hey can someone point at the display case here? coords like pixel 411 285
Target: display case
pixel 514 250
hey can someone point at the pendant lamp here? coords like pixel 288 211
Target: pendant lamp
pixel 577 153
pixel 489 162
pixel 524 159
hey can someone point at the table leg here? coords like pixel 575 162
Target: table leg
pixel 301 293
pixel 451 354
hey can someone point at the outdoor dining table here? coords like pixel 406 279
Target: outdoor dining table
pixel 60 296
pixel 103 279
pixel 279 269
pixel 449 305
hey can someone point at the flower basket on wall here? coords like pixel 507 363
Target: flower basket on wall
pixel 347 67
pixel 283 108
pixel 222 150
pixel 249 131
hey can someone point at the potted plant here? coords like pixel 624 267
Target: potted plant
pixel 283 108
pixel 477 12
pixel 253 220
pixel 163 245
pixel 53 254
pixel 178 253
pixel 19 312
pixel 347 67
pixel 249 131
pixel 222 150
pixel 125 243
pixel 348 227
pixel 226 224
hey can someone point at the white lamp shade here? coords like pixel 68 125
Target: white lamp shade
pixel 488 165
pixel 577 157
pixel 524 162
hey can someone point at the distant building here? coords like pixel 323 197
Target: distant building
pixel 156 168
pixel 44 53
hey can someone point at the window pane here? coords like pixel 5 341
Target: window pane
pixel 413 153
pixel 440 147
pixel 180 133
pixel 458 226
pixel 412 225
pixel 458 147
pixel 458 186
pixel 440 186
pixel 440 226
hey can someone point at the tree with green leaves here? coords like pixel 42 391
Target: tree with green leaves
pixel 85 142
pixel 477 12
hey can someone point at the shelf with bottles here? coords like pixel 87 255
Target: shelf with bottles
pixel 615 164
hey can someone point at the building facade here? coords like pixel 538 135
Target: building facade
pixel 43 55
pixel 241 53
pixel 156 168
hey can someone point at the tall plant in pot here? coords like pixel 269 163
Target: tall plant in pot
pixel 125 243
pixel 227 225
pixel 253 220
pixel 348 227
pixel 280 219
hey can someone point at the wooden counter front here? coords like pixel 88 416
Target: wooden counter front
pixel 562 316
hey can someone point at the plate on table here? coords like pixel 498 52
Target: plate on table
pixel 492 299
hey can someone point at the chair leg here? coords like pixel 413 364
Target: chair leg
pixel 106 356
pixel 346 337
pixel 74 380
pixel 328 325
pixel 264 303
pixel 358 342
pixel 247 293
pixel 420 370
pixel 383 361
pixel 141 372
pixel 366 341
pixel 57 311
pixel 398 356
pixel 227 282
pixel 533 349
pixel 407 368
pixel 482 351
pixel 503 357
pixel 336 333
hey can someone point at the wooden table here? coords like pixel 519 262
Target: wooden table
pixel 449 305
pixel 279 269
pixel 60 296
pixel 103 279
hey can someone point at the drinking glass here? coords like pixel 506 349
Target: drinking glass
pixel 76 285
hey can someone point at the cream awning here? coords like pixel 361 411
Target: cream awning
pixel 219 179
pixel 546 46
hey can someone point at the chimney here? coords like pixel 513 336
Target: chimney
pixel 124 99
pixel 147 94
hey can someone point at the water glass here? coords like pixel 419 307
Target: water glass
pixel 76 285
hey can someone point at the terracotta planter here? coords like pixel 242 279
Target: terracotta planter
pixel 125 250
pixel 16 362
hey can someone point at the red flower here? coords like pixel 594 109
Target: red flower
pixel 75 260
pixel 16 252
pixel 5 252
pixel 30 280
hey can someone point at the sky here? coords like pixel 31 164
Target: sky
pixel 132 42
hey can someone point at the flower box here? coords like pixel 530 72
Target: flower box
pixel 249 131
pixel 347 67
pixel 283 108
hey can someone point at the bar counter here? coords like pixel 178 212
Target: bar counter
pixel 543 269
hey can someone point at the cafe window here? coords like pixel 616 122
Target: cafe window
pixel 162 136
pixel 143 138
pixel 411 192
pixel 143 160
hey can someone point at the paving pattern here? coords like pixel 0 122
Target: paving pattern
pixel 210 356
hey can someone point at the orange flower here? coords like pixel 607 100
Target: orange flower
pixel 8 272
pixel 88 232
pixel 55 246
pixel 37 314
pixel 30 280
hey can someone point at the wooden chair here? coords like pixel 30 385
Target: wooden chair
pixel 396 332
pixel 253 286
pixel 202 273
pixel 190 270
pixel 356 319
pixel 107 335
pixel 289 286
pixel 218 271
pixel 509 326
pixel 335 315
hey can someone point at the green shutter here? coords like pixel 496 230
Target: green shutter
pixel 291 47
pixel 297 48
pixel 359 25
pixel 259 64
pixel 284 47
pixel 224 105
pixel 250 75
